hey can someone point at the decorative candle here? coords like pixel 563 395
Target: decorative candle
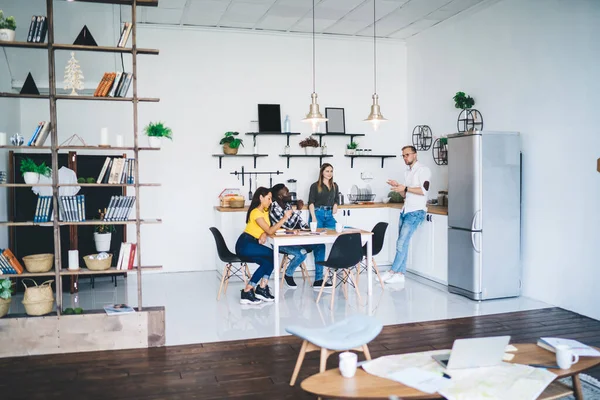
pixel 104 137
pixel 119 140
pixel 73 259
pixel 2 139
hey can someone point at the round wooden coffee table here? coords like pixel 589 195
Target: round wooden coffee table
pixel 331 384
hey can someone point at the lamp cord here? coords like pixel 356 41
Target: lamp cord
pixel 374 49
pixel 313 23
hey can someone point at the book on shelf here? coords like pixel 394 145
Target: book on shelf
pixel 125 34
pixel 43 209
pixel 578 348
pixel 117 170
pixel 9 264
pixel 40 134
pixel 117 309
pixel 114 84
pixel 71 208
pixel 37 29
pixel 119 208
pixel 126 256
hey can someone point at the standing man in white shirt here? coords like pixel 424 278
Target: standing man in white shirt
pixel 416 186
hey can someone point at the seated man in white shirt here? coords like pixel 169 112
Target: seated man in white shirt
pixel 416 186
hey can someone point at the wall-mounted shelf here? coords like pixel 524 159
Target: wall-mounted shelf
pixel 382 156
pixel 24 45
pixel 25 96
pixel 239 155
pixel 104 49
pixel 320 156
pixel 350 135
pixel 288 134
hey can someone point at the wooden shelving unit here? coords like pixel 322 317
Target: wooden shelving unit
pixel 54 148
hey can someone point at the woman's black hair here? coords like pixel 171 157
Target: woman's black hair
pixel 261 191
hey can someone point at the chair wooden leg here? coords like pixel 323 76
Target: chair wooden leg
pixel 325 272
pixel 357 273
pixel 225 272
pixel 345 285
pixel 332 289
pixel 356 288
pixel 228 278
pixel 365 350
pixel 324 356
pixel 283 266
pixel 377 272
pixel 299 362
pixel 305 275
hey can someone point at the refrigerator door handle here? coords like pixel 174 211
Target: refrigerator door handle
pixel 473 242
pixel 474 225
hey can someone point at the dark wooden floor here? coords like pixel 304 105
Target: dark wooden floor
pixel 253 369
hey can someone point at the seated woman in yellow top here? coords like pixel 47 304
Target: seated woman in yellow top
pixel 249 246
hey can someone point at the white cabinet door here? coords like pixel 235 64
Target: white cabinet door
pixel 440 248
pixel 391 235
pixel 421 258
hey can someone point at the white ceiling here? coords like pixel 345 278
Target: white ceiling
pixel 397 19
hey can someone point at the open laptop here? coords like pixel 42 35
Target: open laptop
pixel 473 353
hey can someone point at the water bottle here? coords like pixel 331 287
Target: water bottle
pixel 286 124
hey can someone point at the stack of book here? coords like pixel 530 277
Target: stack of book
pixel 125 34
pixel 9 263
pixel 37 29
pixel 43 210
pixel 117 170
pixel 114 84
pixel 40 134
pixel 71 208
pixel 126 256
pixel 119 208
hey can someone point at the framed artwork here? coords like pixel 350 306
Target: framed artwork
pixel 336 122
pixel 269 118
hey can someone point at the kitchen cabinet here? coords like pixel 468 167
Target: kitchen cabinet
pixel 366 219
pixel 428 250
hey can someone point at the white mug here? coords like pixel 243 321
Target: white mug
pixel 348 363
pixel 565 357
pixel 339 227
pixel 313 226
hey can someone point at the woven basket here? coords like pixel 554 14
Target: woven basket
pixel 38 262
pixel 4 306
pixel 237 203
pixel 38 300
pixel 228 150
pixel 98 265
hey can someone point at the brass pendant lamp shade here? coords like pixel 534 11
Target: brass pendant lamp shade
pixel 314 116
pixel 375 117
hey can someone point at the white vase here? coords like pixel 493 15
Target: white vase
pixel 309 150
pixel 154 142
pixel 102 241
pixel 7 35
pixel 350 151
pixel 31 178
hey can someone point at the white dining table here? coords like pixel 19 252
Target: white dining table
pixel 301 238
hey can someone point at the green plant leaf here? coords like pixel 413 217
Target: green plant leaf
pixel 78 310
pixel 158 129
pixel 90 180
pixel 6 284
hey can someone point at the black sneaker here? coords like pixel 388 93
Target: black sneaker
pixel 317 285
pixel 289 281
pixel 249 298
pixel 264 293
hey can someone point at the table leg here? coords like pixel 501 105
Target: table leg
pixel 276 270
pixel 577 387
pixel 370 265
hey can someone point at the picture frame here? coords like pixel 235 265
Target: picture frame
pixel 336 120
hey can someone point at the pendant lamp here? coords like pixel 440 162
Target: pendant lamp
pixel 314 116
pixel 375 117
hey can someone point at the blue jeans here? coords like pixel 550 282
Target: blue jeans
pixel 299 253
pixel 324 218
pixel 248 249
pixel 408 225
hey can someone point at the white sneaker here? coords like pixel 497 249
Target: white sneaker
pixel 395 278
pixel 385 276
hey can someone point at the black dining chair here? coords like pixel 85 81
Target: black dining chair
pixel 242 272
pixel 345 253
pixel 378 238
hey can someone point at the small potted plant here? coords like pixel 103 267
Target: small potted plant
pixel 103 234
pixel 155 132
pixel 230 143
pixel 5 296
pixel 351 148
pixel 31 171
pixel 7 28
pixel 309 145
pixel 462 101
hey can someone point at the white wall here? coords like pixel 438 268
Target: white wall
pixel 532 67
pixel 210 82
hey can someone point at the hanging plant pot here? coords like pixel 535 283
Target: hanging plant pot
pixel 31 178
pixel 229 150
pixel 102 241
pixel 7 35
pixel 154 142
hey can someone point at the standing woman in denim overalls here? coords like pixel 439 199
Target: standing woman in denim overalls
pixel 323 199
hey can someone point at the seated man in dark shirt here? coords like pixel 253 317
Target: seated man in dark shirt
pixel 281 203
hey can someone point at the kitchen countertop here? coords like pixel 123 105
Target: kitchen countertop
pixel 432 209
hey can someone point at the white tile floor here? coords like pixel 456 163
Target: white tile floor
pixel 193 314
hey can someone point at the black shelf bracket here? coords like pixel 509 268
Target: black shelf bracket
pixel 321 157
pixel 255 156
pixel 288 134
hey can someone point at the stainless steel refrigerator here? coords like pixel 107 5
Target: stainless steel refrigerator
pixel 484 214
